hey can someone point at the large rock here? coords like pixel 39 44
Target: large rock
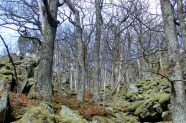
pixel 149 112
pixel 22 81
pixel 14 56
pixel 133 88
pixel 167 116
pixel 101 119
pixel 26 68
pixel 44 113
pixel 3 106
pixel 65 111
pixel 5 82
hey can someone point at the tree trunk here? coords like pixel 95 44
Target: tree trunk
pixel 71 79
pixel 182 22
pixel 96 94
pixel 44 80
pixel 58 70
pixel 80 57
pixel 138 61
pixel 178 97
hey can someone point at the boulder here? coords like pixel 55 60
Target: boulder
pixel 6 72
pixel 14 56
pixel 22 81
pixel 167 116
pixel 3 106
pixel 5 82
pixel 149 112
pixel 101 119
pixel 133 88
pixel 44 113
pixel 131 96
pixel 26 69
pixel 67 112
pixel 124 118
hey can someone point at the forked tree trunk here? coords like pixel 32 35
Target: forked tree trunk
pixel 178 97
pixel 44 80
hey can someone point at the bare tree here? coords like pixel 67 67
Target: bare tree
pixel 96 94
pixel 80 56
pixel 44 81
pixel 178 96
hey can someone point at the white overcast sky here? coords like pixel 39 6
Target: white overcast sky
pixel 11 36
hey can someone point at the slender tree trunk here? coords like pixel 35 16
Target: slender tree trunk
pixel 182 22
pixel 76 76
pixel 178 96
pixel 86 67
pixel 71 79
pixel 58 69
pixel 138 61
pixel 80 57
pixel 129 56
pixel 112 76
pixel 96 94
pixel 160 55
pixel 41 15
pixel 104 86
pixel 44 80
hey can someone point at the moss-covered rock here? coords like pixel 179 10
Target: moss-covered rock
pixel 6 72
pixel 5 82
pixel 164 98
pixel 65 111
pixel 149 112
pixel 135 105
pixel 167 116
pixel 18 62
pixel 101 119
pixel 7 78
pixel 123 118
pixel 3 106
pixel 43 113
pixel 131 96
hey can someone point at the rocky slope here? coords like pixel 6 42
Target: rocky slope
pixel 147 100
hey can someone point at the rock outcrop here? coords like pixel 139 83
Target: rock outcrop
pixel 149 101
pixel 48 113
pixel 3 106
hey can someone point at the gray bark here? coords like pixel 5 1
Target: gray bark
pixel 58 69
pixel 182 22
pixel 80 57
pixel 96 94
pixel 44 80
pixel 178 97
pixel 138 61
